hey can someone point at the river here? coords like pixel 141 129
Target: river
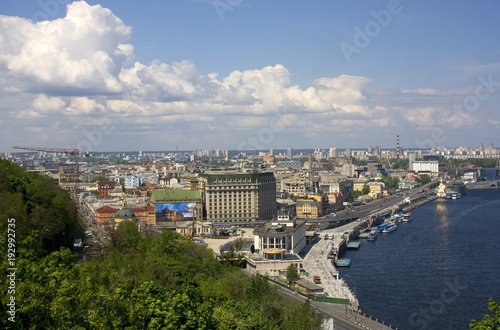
pixel 435 272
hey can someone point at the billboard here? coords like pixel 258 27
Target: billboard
pixel 174 211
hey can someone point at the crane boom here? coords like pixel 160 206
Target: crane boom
pixel 73 152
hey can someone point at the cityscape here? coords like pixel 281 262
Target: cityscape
pixel 234 164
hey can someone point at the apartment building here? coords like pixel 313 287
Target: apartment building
pixel 238 196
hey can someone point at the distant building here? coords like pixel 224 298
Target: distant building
pixel 238 196
pixel 428 166
pixel 289 153
pixel 292 165
pixel 133 181
pixel 284 233
pixel 104 188
pixel 308 208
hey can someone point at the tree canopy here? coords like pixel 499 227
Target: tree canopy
pixel 489 321
pixel 140 282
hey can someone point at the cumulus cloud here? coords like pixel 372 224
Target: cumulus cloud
pixel 77 71
pixel 82 52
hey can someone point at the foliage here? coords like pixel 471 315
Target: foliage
pixel 489 321
pixel 37 202
pixel 365 190
pixel 292 273
pixel 423 179
pixel 140 282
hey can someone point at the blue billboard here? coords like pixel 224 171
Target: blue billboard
pixel 174 211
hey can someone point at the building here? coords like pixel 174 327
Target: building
pixel 145 215
pixel 376 189
pixel 348 170
pixel 177 205
pixel 200 228
pixel 333 153
pixel 284 233
pixel 345 186
pixel 292 165
pixel 295 185
pixel 308 208
pixel 358 185
pixel 133 181
pixel 104 188
pixel 104 214
pixel 289 153
pixel 238 196
pixel 426 166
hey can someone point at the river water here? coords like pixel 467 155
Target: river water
pixel 435 272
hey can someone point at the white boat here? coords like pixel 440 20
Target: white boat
pixel 390 229
pixel 406 217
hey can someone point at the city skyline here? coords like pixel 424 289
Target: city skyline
pixel 242 75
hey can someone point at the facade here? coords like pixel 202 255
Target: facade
pixel 284 233
pixel 426 166
pixel 376 189
pixel 238 196
pixel 104 187
pixel 295 185
pixel 308 208
pixel 104 215
pixel 200 228
pixel 133 181
pixel 291 164
pixel 344 186
pixel 358 185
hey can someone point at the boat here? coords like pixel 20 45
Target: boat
pixel 381 227
pixel 390 229
pixel 406 217
pixel 372 236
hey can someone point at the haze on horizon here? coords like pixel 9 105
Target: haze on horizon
pixel 243 75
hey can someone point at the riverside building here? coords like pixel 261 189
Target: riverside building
pixel 231 196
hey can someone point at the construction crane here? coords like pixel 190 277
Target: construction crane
pixel 74 152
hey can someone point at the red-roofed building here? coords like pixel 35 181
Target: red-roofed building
pixel 105 214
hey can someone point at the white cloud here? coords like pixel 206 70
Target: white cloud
pixel 71 74
pixel 83 51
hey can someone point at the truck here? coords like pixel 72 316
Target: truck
pixel 317 279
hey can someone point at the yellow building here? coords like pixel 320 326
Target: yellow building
pixel 308 208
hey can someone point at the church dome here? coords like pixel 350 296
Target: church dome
pixel 124 214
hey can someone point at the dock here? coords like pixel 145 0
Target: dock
pixel 363 235
pixel 353 245
pixel 344 262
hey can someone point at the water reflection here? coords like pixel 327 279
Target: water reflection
pixel 442 212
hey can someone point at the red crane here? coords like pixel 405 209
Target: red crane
pixel 74 152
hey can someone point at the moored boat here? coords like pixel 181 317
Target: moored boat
pixel 390 229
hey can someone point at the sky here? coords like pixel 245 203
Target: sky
pixel 248 74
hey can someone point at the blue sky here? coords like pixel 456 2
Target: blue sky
pixel 242 74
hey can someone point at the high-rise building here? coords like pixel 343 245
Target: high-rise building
pixel 347 153
pixel 271 152
pixel 333 153
pixel 238 196
pixel 289 153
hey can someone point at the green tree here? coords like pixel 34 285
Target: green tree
pixel 489 321
pixel 365 190
pixel 292 274
pixel 424 179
